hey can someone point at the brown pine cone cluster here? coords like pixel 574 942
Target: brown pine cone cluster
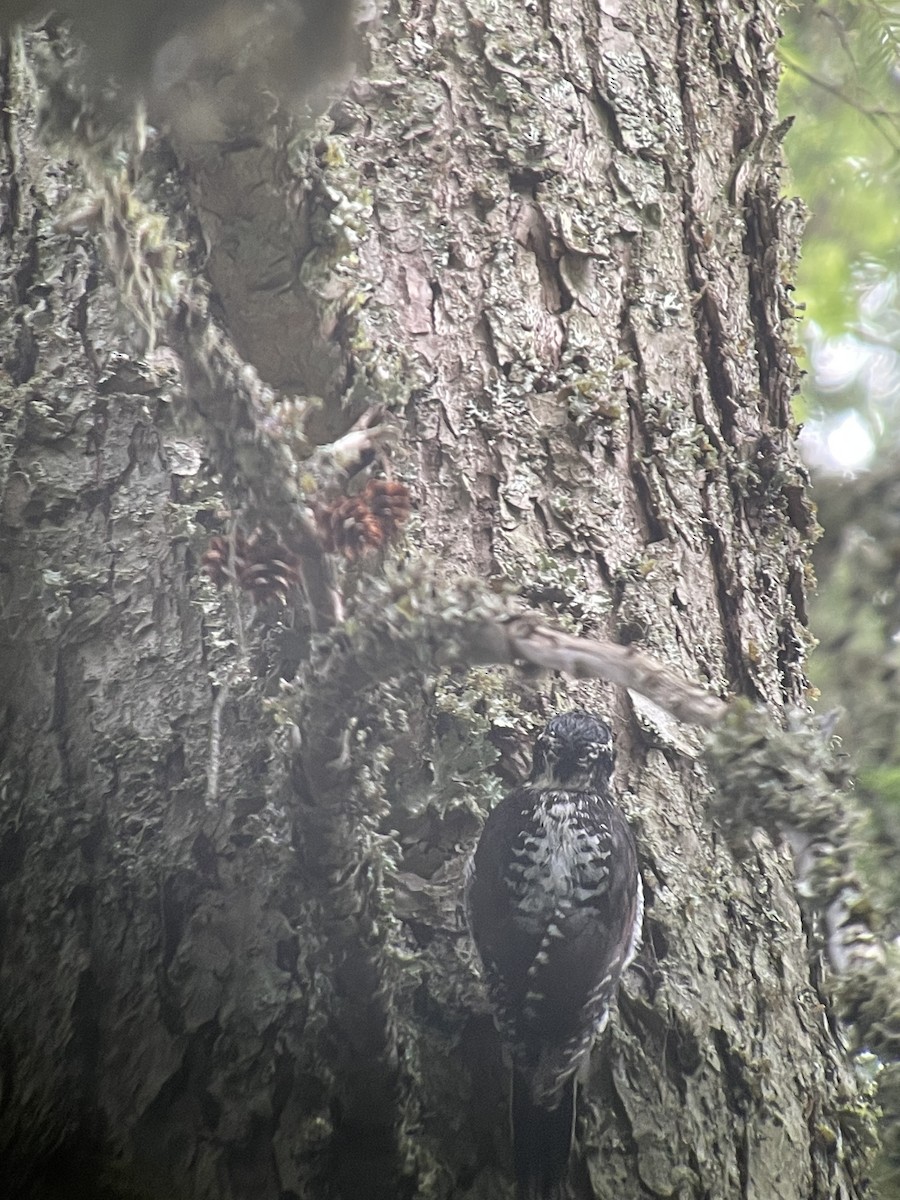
pixel 354 524
pixel 350 526
pixel 260 564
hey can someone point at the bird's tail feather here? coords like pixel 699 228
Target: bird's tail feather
pixel 542 1141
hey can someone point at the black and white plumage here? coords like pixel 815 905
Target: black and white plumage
pixel 555 906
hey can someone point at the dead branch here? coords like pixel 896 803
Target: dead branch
pixel 525 638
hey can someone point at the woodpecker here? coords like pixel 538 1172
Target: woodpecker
pixel 555 906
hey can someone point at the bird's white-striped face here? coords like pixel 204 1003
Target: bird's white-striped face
pixel 573 753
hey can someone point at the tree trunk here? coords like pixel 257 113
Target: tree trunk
pixel 548 238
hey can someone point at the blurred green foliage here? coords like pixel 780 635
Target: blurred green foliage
pixel 856 618
pixel 841 80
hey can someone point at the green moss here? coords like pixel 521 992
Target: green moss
pixel 105 133
pixel 778 777
pixel 791 778
pixel 463 759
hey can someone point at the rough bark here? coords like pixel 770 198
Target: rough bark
pixel 548 237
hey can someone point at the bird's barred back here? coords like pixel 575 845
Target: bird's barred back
pixel 555 907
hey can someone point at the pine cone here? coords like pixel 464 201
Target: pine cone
pixel 261 565
pixel 390 502
pixel 355 524
pixel 218 563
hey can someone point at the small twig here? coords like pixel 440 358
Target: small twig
pixel 324 601
pixel 355 449
pixel 215 744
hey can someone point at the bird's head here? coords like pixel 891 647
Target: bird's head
pixel 574 752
